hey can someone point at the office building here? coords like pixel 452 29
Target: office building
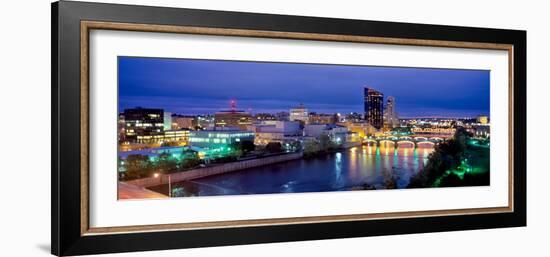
pixel 180 136
pixel 144 125
pixel 299 113
pixel 374 111
pixel 205 122
pixel 390 115
pixel 233 118
pixel 337 133
pixel 167 120
pixel 321 118
pixel 183 122
pixel 282 116
pixel 277 131
pixel 218 139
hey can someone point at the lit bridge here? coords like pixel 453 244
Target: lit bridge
pixel 414 141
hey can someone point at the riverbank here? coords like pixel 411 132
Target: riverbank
pixel 312 153
pixel 454 163
pixel 344 170
pixel 213 170
pixel 347 145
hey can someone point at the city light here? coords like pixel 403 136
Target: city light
pixel 290 139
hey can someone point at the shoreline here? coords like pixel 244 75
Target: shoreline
pixel 214 170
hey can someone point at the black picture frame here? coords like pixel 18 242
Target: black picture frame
pixel 66 235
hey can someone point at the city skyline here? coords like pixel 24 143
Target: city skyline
pixel 226 108
pixel 247 145
pixel 188 87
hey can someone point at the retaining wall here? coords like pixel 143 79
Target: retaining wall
pixel 213 170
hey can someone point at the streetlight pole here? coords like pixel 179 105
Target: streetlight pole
pixel 169 185
pixel 156 175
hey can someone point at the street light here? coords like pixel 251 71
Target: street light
pixel 169 186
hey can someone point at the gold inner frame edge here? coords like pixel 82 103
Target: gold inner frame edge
pixel 86 26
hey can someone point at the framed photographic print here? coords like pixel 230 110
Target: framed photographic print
pixel 177 128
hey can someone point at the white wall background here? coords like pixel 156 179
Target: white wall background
pixel 25 127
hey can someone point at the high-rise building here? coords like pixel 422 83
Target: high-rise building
pixel 299 113
pixel 167 120
pixel 233 118
pixel 144 125
pixel 390 115
pixel 374 107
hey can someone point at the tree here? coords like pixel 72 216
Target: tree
pixel 311 147
pixel 166 163
pixel 189 159
pixel 294 146
pixel 247 146
pixel 419 180
pixel 451 180
pixel 188 163
pixel 446 156
pixel 274 147
pixel 325 143
pixel 390 179
pixel 244 146
pixel 137 166
pixel 477 179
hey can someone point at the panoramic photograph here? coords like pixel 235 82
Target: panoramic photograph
pixel 193 127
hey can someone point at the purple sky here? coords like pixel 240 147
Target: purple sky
pixel 189 86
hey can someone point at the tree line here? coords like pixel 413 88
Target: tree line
pixel 141 166
pixel 448 156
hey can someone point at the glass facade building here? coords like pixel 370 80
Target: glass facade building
pixel 143 125
pixel 390 115
pixel 218 138
pixel 374 107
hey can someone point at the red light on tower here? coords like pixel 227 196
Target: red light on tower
pixel 233 104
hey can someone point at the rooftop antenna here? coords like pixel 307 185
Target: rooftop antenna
pixel 233 105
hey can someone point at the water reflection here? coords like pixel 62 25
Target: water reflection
pixel 346 170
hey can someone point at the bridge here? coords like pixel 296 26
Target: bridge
pixel 414 141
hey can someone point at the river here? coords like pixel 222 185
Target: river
pixel 345 170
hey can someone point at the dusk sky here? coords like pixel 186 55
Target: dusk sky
pixel 187 86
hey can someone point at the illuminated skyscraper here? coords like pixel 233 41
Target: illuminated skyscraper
pixel 374 107
pixel 390 115
pixel 167 118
